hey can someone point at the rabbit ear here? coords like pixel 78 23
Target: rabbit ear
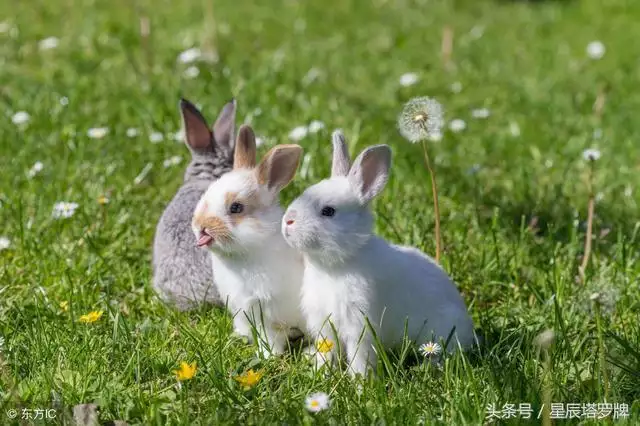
pixel 341 162
pixel 225 126
pixel 245 154
pixel 370 172
pixel 279 165
pixel 197 133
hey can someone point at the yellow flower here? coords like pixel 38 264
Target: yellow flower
pixel 91 316
pixel 103 199
pixel 249 379
pixel 64 305
pixel 324 345
pixel 186 371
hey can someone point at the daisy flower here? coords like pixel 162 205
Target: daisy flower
pixel 596 50
pixel 156 137
pixel 420 118
pixel 172 161
pixel 63 209
pixel 5 243
pixel 20 117
pixel 97 132
pixel 317 402
pixel 35 169
pixel 480 113
pixel 457 125
pixel 132 132
pixel 48 43
pixel 298 133
pixel 430 349
pixel 190 55
pixel 315 126
pixel 408 79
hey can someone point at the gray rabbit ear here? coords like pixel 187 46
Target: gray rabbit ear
pixel 341 162
pixel 197 134
pixel 225 127
pixel 370 172
pixel 245 153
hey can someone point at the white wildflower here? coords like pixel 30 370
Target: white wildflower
pixel 480 113
pixel 191 72
pixel 97 132
pixel 317 402
pixel 172 161
pixel 20 117
pixel 5 243
pixel 591 154
pixel 132 132
pixel 64 101
pixel 430 349
pixel 408 79
pixel 315 126
pixel 514 129
pixel 596 49
pixel 457 125
pixel 298 133
pixel 420 118
pixel 179 136
pixel 63 209
pixel 35 169
pixel 190 55
pixel 48 43
pixel 156 137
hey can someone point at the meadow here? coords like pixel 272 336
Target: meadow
pixel 89 117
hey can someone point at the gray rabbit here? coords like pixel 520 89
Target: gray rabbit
pixel 182 273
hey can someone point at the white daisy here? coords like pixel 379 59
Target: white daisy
pixel 20 117
pixel 315 126
pixel 420 118
pixel 63 209
pixel 190 55
pixel 456 87
pixel 172 161
pixel 596 49
pixel 591 154
pixel 317 402
pixel 191 72
pixel 64 101
pixel 5 243
pixel 457 125
pixel 48 43
pixel 430 349
pixel 132 132
pixel 298 133
pixel 35 169
pixel 480 113
pixel 408 79
pixel 156 137
pixel 97 132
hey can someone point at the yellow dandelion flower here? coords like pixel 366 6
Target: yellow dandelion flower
pixel 186 371
pixel 91 317
pixel 324 345
pixel 103 199
pixel 64 305
pixel 249 379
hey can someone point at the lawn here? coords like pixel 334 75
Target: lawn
pixel 514 191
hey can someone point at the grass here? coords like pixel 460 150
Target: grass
pixel 513 207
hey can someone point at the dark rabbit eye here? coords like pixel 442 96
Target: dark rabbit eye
pixel 328 211
pixel 236 208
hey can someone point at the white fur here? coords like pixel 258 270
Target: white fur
pixel 257 273
pixel 351 274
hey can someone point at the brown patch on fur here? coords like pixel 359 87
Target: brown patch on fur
pixel 250 203
pixel 214 226
pixel 245 151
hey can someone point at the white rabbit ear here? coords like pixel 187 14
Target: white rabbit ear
pixel 245 153
pixel 197 133
pixel 341 162
pixel 225 126
pixel 279 166
pixel 370 172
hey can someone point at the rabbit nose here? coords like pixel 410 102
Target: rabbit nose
pixel 289 222
pixel 290 218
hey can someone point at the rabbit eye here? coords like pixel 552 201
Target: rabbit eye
pixel 236 208
pixel 328 211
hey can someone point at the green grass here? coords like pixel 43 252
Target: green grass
pixel 526 62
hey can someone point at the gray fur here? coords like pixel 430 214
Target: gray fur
pixel 182 272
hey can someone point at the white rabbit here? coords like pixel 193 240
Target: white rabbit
pixel 238 220
pixel 351 274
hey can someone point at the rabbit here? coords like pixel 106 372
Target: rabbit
pixel 182 274
pixel 238 221
pixel 351 274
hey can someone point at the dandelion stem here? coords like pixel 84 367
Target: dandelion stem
pixel 601 351
pixel 587 241
pixel 434 190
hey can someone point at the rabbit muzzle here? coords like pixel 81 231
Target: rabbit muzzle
pixel 205 239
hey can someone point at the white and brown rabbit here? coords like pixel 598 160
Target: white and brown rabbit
pixel 351 274
pixel 238 220
pixel 182 274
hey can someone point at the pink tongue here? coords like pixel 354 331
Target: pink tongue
pixel 204 240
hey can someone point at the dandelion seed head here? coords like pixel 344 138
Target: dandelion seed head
pixel 420 118
pixel 591 154
pixel 457 125
pixel 20 117
pixel 596 50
